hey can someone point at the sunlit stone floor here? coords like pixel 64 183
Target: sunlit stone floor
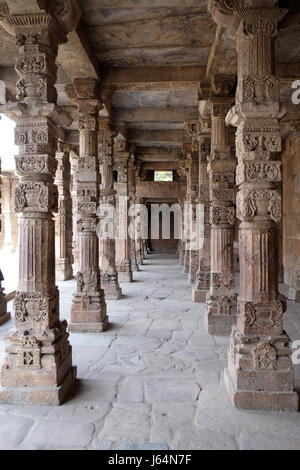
pixel 153 381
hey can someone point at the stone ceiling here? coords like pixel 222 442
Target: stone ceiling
pixel 153 53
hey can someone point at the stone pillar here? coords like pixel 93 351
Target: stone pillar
pixel 182 171
pixel 63 220
pixel 74 170
pixel 186 211
pixel 191 130
pixel 139 245
pixel 202 283
pixel 140 242
pixel 260 373
pixel 221 300
pixel 181 244
pixel 38 365
pixel 88 313
pixel 123 250
pixel 107 246
pixel 132 201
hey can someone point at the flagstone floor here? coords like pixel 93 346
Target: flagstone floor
pixel 153 381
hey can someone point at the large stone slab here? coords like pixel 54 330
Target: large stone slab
pixel 171 390
pixel 127 422
pixel 60 434
pixel 13 430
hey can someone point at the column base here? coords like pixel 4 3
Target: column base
pixel 113 294
pixel 88 313
pixel 294 295
pixel 125 276
pixel 64 270
pixel 134 267
pixel 110 285
pixel 255 400
pixel 5 318
pixel 199 296
pixel 221 314
pixel 47 396
pixel 89 327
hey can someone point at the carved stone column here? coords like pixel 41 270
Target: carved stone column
pixel 221 300
pixel 38 365
pixel 260 373
pixel 63 220
pixel 123 250
pixel 191 130
pixel 186 212
pixel 202 283
pixel 182 171
pixel 107 246
pixel 88 313
pixel 132 200
pixel 139 244
pixel 74 170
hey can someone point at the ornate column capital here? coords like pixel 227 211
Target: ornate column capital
pixel 83 89
pixel 256 21
pixel 66 12
pixel 222 94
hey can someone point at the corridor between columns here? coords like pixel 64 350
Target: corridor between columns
pixel 153 380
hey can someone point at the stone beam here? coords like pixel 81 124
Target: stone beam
pixel 214 49
pixel 146 154
pixel 151 189
pixel 160 166
pixel 157 136
pixel 153 78
pixel 173 114
pixel 76 57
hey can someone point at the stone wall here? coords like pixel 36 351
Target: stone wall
pixel 291 212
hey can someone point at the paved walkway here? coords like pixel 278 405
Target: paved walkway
pixel 153 381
